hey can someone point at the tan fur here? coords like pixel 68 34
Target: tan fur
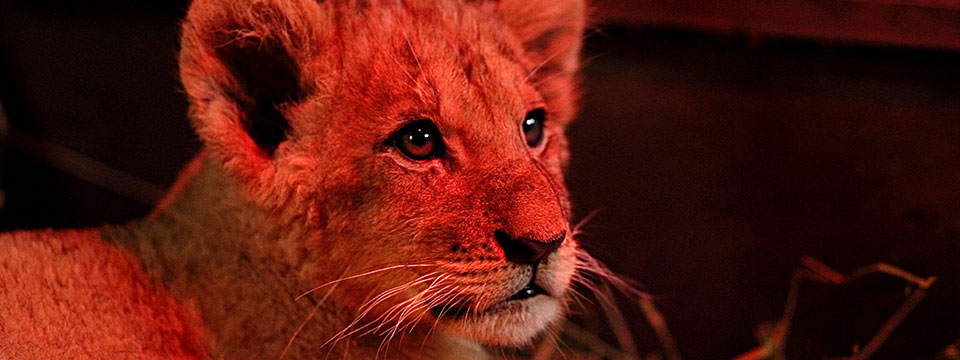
pixel 52 308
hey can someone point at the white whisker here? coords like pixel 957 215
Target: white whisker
pixel 305 321
pixel 368 273
pixel 369 305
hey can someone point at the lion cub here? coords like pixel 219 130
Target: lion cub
pixel 379 178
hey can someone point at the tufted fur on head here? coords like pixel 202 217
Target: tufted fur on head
pixel 261 72
pixel 305 225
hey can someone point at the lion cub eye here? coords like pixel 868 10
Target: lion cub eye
pixel 533 127
pixel 419 140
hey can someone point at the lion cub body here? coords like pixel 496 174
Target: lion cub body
pixel 304 228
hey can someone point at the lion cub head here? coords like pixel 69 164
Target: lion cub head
pixel 421 143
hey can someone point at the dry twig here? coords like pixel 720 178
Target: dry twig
pixel 813 270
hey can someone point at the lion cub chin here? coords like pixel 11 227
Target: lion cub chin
pixel 378 179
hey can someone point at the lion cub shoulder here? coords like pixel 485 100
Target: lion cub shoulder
pixel 69 294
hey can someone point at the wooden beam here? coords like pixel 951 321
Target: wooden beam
pixel 933 24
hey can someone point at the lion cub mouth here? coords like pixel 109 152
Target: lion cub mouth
pixel 529 291
pixel 458 311
pixel 512 310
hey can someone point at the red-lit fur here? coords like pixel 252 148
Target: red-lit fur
pixel 251 224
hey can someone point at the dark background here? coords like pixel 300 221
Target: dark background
pixel 719 142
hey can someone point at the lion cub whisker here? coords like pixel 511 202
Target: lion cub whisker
pixel 369 305
pixel 363 274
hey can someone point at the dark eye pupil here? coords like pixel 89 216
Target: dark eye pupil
pixel 419 137
pixel 533 127
pixel 419 140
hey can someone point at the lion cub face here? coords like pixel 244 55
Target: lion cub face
pixel 423 144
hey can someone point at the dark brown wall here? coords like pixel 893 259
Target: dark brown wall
pixel 714 160
pixel 716 163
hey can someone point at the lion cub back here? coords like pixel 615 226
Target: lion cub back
pixel 69 294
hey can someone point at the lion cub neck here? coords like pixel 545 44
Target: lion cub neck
pixel 243 268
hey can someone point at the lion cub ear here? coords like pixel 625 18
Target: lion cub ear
pixel 243 64
pixel 552 34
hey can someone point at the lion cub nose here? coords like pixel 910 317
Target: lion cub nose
pixel 522 250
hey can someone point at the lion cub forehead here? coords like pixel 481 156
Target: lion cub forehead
pixel 410 33
pixel 441 60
